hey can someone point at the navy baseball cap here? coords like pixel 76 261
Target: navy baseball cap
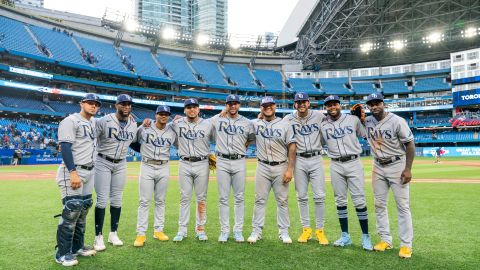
pixel 267 100
pixel 232 98
pixel 301 96
pixel 163 108
pixel 331 98
pixel 124 98
pixel 374 96
pixel 190 101
pixel 92 97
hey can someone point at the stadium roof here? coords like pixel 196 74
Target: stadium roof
pixel 362 33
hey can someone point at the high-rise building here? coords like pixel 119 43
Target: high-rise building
pixel 190 16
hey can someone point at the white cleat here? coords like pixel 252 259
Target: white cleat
pixel 253 238
pixel 98 244
pixel 114 240
pixel 285 238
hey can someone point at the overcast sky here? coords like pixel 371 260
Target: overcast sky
pixel 244 16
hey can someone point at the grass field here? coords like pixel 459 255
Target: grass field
pixel 444 215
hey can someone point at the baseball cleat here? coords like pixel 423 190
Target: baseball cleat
pixel 202 236
pixel 114 240
pixel 66 260
pixel 98 244
pixel 367 242
pixel 343 241
pixel 305 236
pixel 382 246
pixel 160 236
pixel 223 238
pixel 405 252
pixel 253 238
pixel 285 238
pixel 322 239
pixel 86 251
pixel 140 241
pixel 179 237
pixel 238 236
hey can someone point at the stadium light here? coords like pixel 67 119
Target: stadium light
pixel 234 43
pixel 202 39
pixel 397 44
pixel 366 47
pixel 434 37
pixel 168 33
pixel 131 26
pixel 469 32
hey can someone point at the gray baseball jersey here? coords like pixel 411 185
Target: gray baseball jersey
pixel 272 139
pixel 193 138
pixel 156 143
pixel 113 140
pixel 80 132
pixel 387 137
pixel 231 135
pixel 306 130
pixel 341 136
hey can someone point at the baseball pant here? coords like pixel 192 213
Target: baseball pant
pixel 231 173
pixel 193 175
pixel 310 170
pixel 270 177
pixel 384 178
pixel 152 179
pixel 348 176
pixel 109 182
pixel 63 182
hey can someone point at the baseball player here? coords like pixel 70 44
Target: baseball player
pixel 305 124
pixel 76 135
pixel 341 132
pixel 115 133
pixel 275 144
pixel 393 148
pixel 232 133
pixel 194 135
pixel 155 141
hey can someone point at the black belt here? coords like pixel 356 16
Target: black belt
pixel 309 154
pixel 154 161
pixel 231 157
pixel 386 161
pixel 107 158
pixel 272 163
pixel 345 159
pixel 85 167
pixel 193 159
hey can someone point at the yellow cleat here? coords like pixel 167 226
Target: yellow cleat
pixel 322 239
pixel 405 252
pixel 305 236
pixel 382 246
pixel 160 236
pixel 139 241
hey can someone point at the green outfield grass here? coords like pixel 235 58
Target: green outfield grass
pixel 445 224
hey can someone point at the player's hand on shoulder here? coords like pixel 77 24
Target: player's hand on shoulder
pixel 75 181
pixel 223 113
pixel 177 117
pixel 147 122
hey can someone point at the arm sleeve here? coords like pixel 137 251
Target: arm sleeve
pixel 361 131
pixel 289 135
pixel 67 155
pixel 404 133
pixel 66 131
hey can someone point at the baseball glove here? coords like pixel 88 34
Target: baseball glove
pixel 212 162
pixel 359 111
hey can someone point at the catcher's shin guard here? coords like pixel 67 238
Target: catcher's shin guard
pixel 72 209
pixel 79 235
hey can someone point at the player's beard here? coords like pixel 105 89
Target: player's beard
pixel 333 113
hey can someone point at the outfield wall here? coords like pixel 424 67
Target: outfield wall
pixel 449 151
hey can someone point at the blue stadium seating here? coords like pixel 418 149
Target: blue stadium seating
pixel 16 37
pixel 62 106
pixel 210 72
pixel 59 44
pixel 448 136
pixel 177 66
pixel 203 94
pixel 240 75
pixel 363 88
pixel 431 84
pixel 304 85
pixel 142 113
pixel 143 61
pixel 334 86
pixel 394 87
pixel 23 102
pixel 271 79
pixel 105 54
